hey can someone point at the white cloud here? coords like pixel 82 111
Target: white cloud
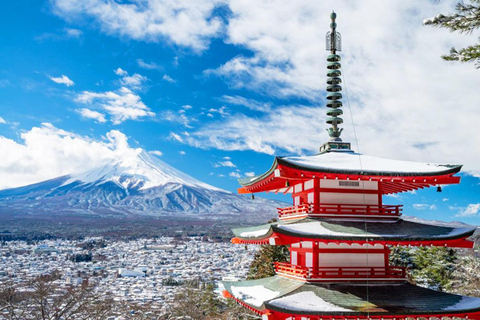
pixel 249 103
pixel 92 114
pixel 423 206
pixel 250 174
pixel 394 196
pixel 222 111
pixel 120 72
pixel 148 65
pixel 167 78
pixel 2 121
pixel 226 163
pixel 187 107
pixel 234 175
pixel 391 68
pixel 134 81
pixel 47 152
pixel 63 80
pixel 187 23
pixel 73 33
pixel 470 211
pixel 121 105
pixel 179 117
pixel 445 199
pixel 176 137
pixel 182 152
pixel 286 128
pixel 157 153
pixel 65 34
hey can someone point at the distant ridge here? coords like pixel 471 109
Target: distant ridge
pixel 134 184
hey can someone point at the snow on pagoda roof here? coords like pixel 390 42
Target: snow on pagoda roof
pixel 296 297
pixel 401 230
pixel 253 295
pixel 357 164
pixel 306 301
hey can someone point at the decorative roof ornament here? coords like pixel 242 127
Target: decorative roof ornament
pixel 334 89
pixel 334 95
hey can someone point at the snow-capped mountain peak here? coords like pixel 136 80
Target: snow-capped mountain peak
pixel 137 169
pixel 135 182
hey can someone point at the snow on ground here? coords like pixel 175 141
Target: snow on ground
pixel 254 295
pixel 306 301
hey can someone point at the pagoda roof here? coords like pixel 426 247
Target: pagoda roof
pixel 399 232
pixel 295 297
pixel 340 164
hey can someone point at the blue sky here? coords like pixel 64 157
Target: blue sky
pixel 215 88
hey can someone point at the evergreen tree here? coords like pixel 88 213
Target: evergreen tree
pixel 465 20
pixel 430 267
pixel 434 267
pixel 466 277
pixel 262 264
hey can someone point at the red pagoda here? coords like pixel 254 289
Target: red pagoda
pixel 339 232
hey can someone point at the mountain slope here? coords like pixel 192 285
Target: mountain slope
pixel 136 183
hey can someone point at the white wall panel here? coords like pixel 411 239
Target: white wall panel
pixel 298 187
pixel 349 184
pixel 308 184
pixel 308 259
pixel 348 198
pixel 351 260
pixel 293 257
pixel 310 197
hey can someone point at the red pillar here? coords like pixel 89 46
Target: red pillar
pixel 315 261
pixel 316 195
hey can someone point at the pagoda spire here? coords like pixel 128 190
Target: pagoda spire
pixel 334 89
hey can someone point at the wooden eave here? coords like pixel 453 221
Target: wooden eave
pixel 280 173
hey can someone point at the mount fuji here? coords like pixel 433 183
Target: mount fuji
pixel 136 183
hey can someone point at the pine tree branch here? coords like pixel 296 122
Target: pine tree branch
pixel 468 54
pixel 465 20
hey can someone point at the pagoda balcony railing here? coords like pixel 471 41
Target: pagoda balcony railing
pixel 292 270
pixel 326 209
pixel 295 210
pixel 341 273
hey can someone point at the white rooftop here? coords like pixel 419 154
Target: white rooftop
pixel 352 161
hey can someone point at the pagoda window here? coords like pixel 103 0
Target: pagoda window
pixel 309 259
pixel 294 257
pixel 307 244
pixel 296 200
pixel 310 197
pixel 309 184
pixel 348 184
pixel 298 188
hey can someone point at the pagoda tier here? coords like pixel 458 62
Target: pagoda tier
pixel 391 176
pixel 399 232
pixel 286 299
pixel 339 232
